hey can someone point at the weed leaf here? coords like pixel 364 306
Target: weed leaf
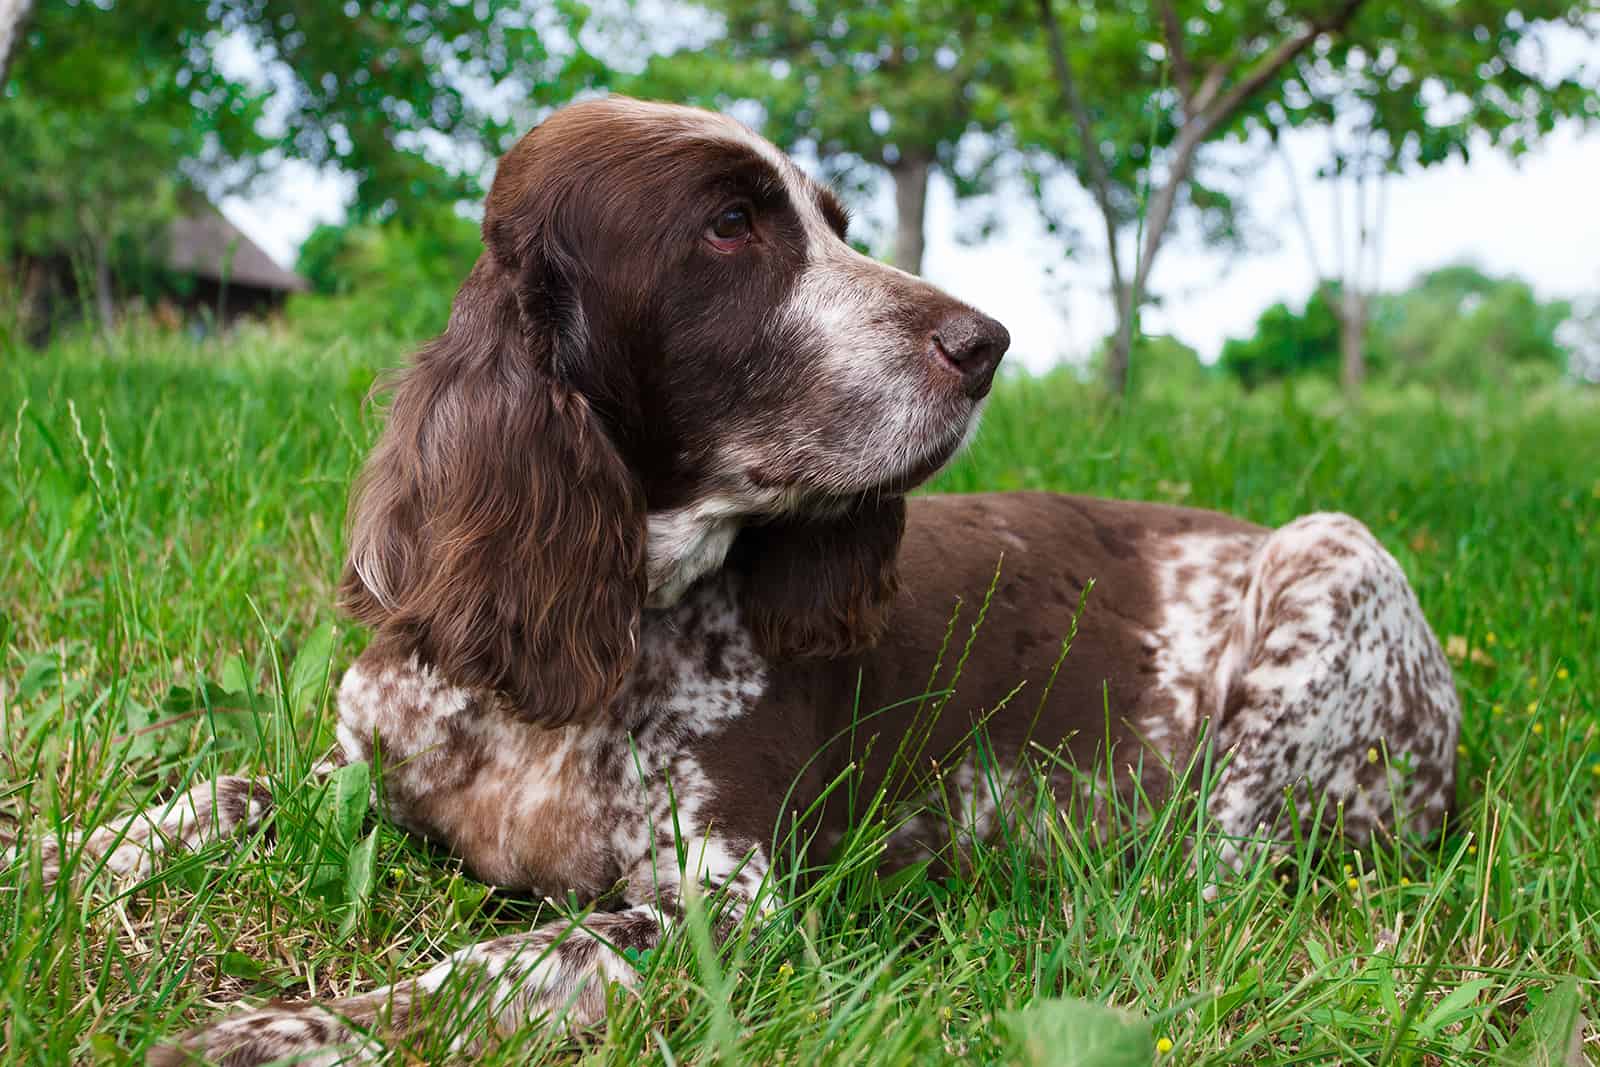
pixel 310 670
pixel 358 881
pixel 1056 1032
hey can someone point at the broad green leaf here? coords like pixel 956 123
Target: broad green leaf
pixel 207 694
pixel 1224 1003
pixel 1552 1033
pixel 235 675
pixel 358 881
pixel 310 670
pixel 345 803
pixel 237 964
pixel 1055 1032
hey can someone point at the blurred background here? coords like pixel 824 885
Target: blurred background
pixel 1358 190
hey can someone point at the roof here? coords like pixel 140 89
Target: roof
pixel 206 244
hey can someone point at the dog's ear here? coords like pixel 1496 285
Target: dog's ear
pixel 497 533
pixel 821 587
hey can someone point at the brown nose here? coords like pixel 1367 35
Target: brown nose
pixel 972 343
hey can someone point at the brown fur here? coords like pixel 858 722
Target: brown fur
pixel 821 587
pixel 496 533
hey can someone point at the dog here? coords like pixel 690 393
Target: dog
pixel 644 581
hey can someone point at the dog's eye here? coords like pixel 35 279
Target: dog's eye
pixel 730 226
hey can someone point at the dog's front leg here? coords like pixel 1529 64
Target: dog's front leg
pixel 480 994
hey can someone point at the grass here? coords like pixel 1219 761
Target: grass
pixel 172 523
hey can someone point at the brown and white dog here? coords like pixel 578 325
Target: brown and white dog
pixel 643 581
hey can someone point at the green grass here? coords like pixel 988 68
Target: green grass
pixel 171 515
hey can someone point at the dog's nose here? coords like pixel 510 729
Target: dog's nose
pixel 972 343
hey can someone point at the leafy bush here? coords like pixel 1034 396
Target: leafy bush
pixel 396 277
pixel 1455 327
pixel 1458 326
pixel 1288 342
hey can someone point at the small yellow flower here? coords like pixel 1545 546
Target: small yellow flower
pixel 1533 706
pixel 785 970
pixel 1348 870
pixel 1352 884
pixel 1472 850
pixel 1404 881
pixel 1538 727
pixel 1594 768
pixel 1562 674
pixel 1498 709
pixel 1461 750
pixel 947 1013
pixel 1490 639
pixel 1164 1046
pixel 1372 755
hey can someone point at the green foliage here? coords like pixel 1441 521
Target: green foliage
pixel 1052 1032
pixel 396 277
pixel 863 86
pixel 1455 327
pixel 822 71
pixel 112 107
pixel 1459 326
pixel 1142 91
pixel 1287 343
pixel 97 123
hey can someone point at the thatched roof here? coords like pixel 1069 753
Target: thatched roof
pixel 206 244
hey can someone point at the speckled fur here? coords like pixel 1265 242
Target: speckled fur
pixel 1337 690
pixel 582 808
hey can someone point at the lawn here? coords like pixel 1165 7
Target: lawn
pixel 171 515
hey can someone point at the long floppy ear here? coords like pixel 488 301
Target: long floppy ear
pixel 821 587
pixel 496 533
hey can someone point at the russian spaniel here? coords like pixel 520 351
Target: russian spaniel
pixel 644 585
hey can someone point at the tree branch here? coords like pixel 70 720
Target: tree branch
pixel 1172 31
pixel 1099 178
pixel 1298 207
pixel 1267 67
pixel 1217 109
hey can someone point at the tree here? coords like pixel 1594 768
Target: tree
pixel 1211 73
pixel 1580 337
pixel 111 106
pixel 1460 327
pixel 96 140
pixel 1454 327
pixel 870 88
pixel 1412 87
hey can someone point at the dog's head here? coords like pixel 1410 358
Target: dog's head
pixel 667 346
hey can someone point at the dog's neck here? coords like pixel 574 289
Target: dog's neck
pixel 686 544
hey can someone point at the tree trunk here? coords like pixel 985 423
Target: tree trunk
pixel 13 23
pixel 1352 341
pixel 105 304
pixel 1119 356
pixel 910 173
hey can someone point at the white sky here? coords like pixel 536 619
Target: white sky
pixel 1539 218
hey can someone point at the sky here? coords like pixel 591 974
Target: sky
pixel 1538 217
